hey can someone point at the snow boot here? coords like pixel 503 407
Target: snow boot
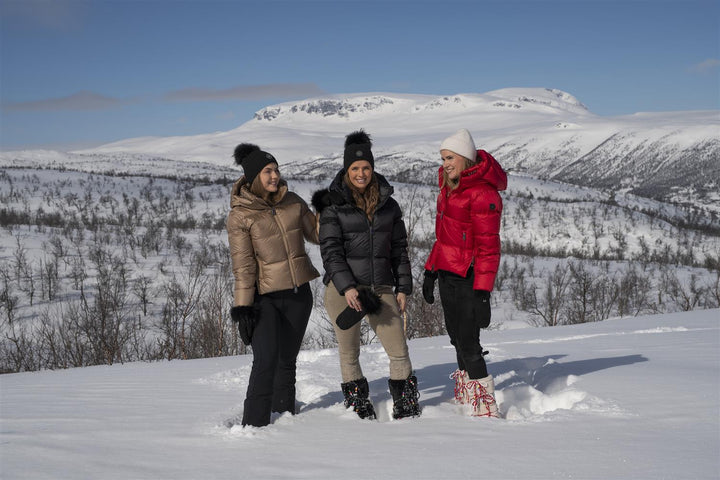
pixel 461 378
pixel 405 397
pixel 356 395
pixel 481 394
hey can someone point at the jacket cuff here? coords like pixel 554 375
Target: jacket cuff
pixel 244 296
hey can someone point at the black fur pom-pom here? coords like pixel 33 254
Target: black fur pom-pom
pixel 324 198
pixel 358 137
pixel 371 304
pixel 243 150
pixel 370 301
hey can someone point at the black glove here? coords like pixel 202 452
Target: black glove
pixel 429 286
pixel 481 306
pixel 245 318
pixel 370 302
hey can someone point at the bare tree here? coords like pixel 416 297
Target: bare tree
pixel 634 292
pixel 685 297
pixel 8 299
pixel 182 297
pixel 549 307
pixel 141 288
pixel 582 286
pixel 108 321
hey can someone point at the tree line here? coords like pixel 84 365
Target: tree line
pixel 138 269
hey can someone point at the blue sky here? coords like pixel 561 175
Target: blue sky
pixel 77 73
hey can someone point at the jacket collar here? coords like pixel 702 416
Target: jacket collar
pixel 487 170
pixel 242 196
pixel 338 185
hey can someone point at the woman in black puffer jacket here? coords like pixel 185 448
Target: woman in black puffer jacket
pixel 363 243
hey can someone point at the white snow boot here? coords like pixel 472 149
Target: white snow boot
pixel 482 397
pixel 461 378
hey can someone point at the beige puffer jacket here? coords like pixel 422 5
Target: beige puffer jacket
pixel 267 245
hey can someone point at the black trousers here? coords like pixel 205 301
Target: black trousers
pixel 283 319
pixel 463 321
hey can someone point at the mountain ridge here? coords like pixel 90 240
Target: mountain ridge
pixel 548 133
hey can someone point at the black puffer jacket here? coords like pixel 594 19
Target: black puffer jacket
pixel 357 252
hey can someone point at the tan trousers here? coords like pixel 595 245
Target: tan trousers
pixel 387 325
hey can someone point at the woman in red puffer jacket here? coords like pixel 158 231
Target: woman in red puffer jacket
pixel 465 259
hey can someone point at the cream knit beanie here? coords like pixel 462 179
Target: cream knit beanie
pixel 460 142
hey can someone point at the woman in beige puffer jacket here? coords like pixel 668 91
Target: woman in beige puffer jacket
pixel 267 228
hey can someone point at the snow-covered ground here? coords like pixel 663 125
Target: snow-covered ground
pixel 629 398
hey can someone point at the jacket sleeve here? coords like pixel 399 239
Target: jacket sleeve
pixel 485 220
pixel 402 271
pixel 309 223
pixel 242 255
pixel 332 250
pixel 430 262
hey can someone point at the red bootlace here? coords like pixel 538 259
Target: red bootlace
pixel 457 375
pixel 481 394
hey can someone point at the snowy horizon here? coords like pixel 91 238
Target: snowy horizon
pixel 546 133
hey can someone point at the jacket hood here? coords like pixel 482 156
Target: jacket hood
pixel 338 185
pixel 487 170
pixel 242 196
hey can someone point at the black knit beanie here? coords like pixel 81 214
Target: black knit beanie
pixel 252 159
pixel 357 147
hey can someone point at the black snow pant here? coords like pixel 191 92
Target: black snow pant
pixel 282 320
pixel 463 321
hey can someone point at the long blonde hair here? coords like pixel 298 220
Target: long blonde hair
pixel 368 200
pixel 453 184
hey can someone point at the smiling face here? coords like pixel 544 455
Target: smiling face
pixel 269 177
pixel 360 174
pixel 453 164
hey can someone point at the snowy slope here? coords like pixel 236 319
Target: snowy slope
pixel 544 132
pixel 631 398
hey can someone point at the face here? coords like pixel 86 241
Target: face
pixel 270 176
pixel 453 164
pixel 360 174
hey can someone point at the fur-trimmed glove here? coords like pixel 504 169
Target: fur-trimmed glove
pixel 245 318
pixel 370 302
pixel 428 286
pixel 481 304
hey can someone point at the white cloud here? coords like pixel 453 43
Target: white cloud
pixel 247 92
pixel 707 66
pixel 79 101
pixel 47 14
pixel 226 116
pixel 86 100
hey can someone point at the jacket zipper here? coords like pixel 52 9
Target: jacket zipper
pixel 372 260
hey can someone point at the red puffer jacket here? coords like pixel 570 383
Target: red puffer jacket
pixel 467 226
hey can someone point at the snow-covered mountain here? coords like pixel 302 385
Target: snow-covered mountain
pixel 543 132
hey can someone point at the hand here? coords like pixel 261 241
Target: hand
pixel 402 301
pixel 481 307
pixel 370 304
pixel 429 286
pixel 351 297
pixel 245 318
